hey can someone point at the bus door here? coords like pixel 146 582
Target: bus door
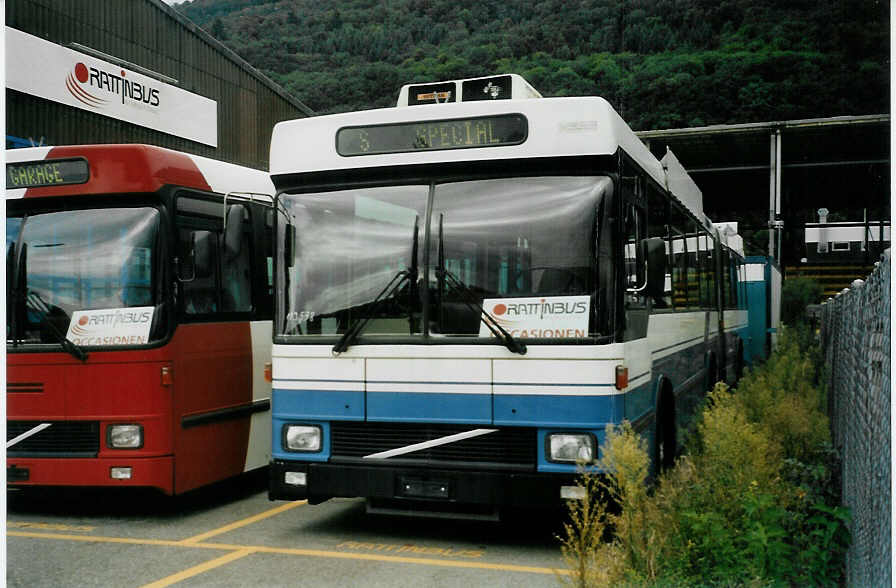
pixel 213 366
pixel 634 230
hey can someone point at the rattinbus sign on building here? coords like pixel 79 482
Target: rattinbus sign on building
pixel 165 82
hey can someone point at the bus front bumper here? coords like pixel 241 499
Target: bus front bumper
pixel 147 472
pixel 323 481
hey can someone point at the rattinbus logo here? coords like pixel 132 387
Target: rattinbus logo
pixel 74 82
pixel 540 309
pixel 89 84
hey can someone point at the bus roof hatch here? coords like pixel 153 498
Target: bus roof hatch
pixel 501 87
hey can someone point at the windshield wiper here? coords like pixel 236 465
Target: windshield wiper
pixel 33 301
pixel 470 300
pixel 413 275
pixel 406 275
pixel 12 294
pixel 15 276
pixel 40 306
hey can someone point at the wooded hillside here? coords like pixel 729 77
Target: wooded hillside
pixel 661 63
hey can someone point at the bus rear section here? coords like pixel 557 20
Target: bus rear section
pixel 138 325
pixel 469 292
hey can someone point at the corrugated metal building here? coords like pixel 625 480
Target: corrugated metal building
pixel 134 71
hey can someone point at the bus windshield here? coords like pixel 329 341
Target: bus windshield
pixel 430 259
pixel 77 260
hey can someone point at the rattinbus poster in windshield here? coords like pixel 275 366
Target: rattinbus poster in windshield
pixel 550 317
pixel 116 326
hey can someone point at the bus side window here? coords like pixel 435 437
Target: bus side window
pixel 678 245
pixel 658 226
pixel 708 293
pixel 635 230
pixel 201 292
pixel 725 277
pixel 694 267
pixel 731 279
pixel 268 244
pixel 678 228
pixel 222 283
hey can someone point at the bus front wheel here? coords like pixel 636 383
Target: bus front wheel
pixel 666 443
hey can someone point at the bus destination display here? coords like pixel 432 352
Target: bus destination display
pixel 51 172
pixel 486 131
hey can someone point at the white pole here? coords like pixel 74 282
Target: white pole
pixel 778 228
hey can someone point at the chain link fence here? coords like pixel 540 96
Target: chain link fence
pixel 855 334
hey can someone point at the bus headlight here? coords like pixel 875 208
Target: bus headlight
pixel 571 447
pixel 301 437
pixel 125 437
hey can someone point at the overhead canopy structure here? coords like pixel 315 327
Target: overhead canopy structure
pixel 785 171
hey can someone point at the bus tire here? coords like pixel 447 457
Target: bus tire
pixel 739 362
pixel 712 373
pixel 666 436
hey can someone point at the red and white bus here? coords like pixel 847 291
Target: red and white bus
pixel 138 317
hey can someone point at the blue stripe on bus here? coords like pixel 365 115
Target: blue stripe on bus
pixel 318 404
pixel 545 410
pixel 431 407
pixel 640 401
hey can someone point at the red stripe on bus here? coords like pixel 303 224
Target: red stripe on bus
pixel 116 169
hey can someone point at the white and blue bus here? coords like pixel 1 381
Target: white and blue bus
pixel 471 286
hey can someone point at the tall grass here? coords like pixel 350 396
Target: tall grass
pixel 753 502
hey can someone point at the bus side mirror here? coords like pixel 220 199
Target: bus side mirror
pixel 202 253
pixel 233 233
pixel 655 253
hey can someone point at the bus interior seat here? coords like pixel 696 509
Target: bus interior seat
pixel 458 319
pixel 561 281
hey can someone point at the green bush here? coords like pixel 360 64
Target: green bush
pixel 754 501
pixel 783 398
pixel 731 525
pixel 582 544
pixel 635 547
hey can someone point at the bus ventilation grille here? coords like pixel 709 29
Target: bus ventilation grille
pixel 512 447
pixel 60 439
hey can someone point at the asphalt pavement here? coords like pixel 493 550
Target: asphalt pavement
pixel 232 535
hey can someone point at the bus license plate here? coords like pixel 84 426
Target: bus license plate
pixel 417 488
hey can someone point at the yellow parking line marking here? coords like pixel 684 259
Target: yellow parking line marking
pixel 201 568
pixel 244 522
pixel 48 526
pixel 302 552
pixel 400 559
pixel 93 538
